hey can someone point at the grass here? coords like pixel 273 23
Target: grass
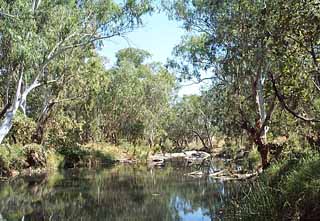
pixel 84 156
pixel 289 189
pixel 16 158
pixel 123 151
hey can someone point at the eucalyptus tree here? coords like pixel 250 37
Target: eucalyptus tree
pixel 139 97
pixel 83 96
pixel 125 101
pixel 296 46
pixel 229 40
pixel 187 122
pixel 34 35
pixel 158 90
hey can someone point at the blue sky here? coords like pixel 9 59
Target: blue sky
pixel 158 36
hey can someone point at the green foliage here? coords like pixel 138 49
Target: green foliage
pixel 64 132
pixel 11 157
pixel 18 157
pixel 253 159
pixel 45 46
pixel 132 55
pixel 81 156
pixel 288 189
pixel 138 101
pixel 22 129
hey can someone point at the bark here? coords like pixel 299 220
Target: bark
pixel 259 132
pixel 263 148
pixel 150 141
pixel 19 100
pixel 264 152
pixel 37 136
pixel 258 92
pixel 209 136
pixel 4 110
pixel 7 122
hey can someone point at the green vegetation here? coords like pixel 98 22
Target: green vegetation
pixel 289 189
pixel 61 106
pixel 15 158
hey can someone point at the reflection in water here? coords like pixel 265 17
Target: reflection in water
pixel 119 193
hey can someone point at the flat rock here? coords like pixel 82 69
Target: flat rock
pixel 189 157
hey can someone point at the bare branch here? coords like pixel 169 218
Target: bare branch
pixel 316 85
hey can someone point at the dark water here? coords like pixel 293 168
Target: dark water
pixel 118 193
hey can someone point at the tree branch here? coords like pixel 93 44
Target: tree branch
pixel 285 106
pixel 8 15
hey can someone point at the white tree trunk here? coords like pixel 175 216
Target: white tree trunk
pixel 19 101
pixel 6 124
pixel 261 104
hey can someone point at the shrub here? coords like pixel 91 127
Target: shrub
pixel 83 156
pixel 22 129
pixel 289 189
pixel 17 157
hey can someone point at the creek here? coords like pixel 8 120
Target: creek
pixel 121 192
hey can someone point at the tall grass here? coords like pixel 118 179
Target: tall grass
pixel 288 190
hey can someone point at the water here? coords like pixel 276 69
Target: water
pixel 118 193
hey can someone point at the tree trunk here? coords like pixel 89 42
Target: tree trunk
pixel 263 148
pixel 37 136
pixel 20 100
pixel 9 114
pixel 259 94
pixel 4 110
pixel 209 136
pixel 201 139
pixel 264 151
pixel 6 124
pixel 151 142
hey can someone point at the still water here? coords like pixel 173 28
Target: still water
pixel 117 193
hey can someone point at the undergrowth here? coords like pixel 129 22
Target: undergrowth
pixel 288 190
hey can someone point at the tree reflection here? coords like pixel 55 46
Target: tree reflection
pixel 119 193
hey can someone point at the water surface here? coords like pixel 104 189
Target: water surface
pixel 117 193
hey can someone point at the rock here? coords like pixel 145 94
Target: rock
pixel 14 173
pixel 187 158
pixel 127 161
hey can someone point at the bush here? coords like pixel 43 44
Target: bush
pixel 22 129
pixel 301 189
pixel 16 157
pixel 82 156
pixel 289 189
pixel 11 158
pixel 63 132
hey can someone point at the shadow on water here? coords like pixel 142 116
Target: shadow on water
pixel 118 193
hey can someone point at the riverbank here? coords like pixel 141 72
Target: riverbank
pixel 34 158
pixel 288 190
pixel 17 159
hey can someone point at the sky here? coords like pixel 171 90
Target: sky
pixel 158 36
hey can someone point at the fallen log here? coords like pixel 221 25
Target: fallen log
pixel 223 175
